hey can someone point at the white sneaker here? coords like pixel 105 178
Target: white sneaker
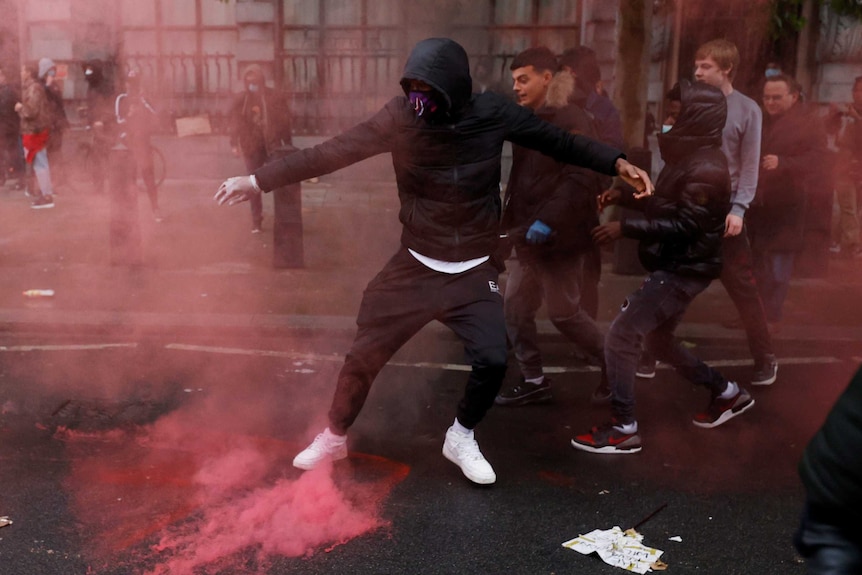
pixel 326 445
pixel 463 451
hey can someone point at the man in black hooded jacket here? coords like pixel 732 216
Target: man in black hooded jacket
pixel 680 236
pixel 446 146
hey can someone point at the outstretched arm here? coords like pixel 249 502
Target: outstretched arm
pixel 528 130
pixel 364 140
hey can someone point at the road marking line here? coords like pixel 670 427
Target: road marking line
pixel 462 367
pixel 255 352
pixel 71 347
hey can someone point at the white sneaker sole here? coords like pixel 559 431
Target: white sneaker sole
pixel 769 381
pixel 308 465
pixel 481 480
pixel 725 417
pixel 607 450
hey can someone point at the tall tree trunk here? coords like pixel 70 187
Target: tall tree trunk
pixel 632 67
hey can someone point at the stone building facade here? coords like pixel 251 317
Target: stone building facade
pixel 338 60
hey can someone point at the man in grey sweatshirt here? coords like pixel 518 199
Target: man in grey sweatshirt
pixel 716 63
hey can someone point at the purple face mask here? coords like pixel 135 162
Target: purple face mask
pixel 423 103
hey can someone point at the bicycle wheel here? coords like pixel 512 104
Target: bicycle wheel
pixel 159 165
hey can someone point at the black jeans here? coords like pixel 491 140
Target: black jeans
pixel 398 302
pixel 650 315
pixel 737 275
pixel 829 547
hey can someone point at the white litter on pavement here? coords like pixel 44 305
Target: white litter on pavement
pixel 619 548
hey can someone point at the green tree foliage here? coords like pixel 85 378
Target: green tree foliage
pixel 786 15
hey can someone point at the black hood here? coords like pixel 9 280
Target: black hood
pixel 700 122
pixel 442 64
pixel 98 74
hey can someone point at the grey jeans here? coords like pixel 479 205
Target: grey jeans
pixel 558 284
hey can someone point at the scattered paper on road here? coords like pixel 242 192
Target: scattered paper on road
pixel 676 538
pixel 4 521
pixel 619 548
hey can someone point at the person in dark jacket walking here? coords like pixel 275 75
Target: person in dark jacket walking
pixel 680 237
pixel 793 141
pixel 831 471
pixel 549 210
pixel 259 125
pixel 583 65
pixel 136 120
pixel 446 146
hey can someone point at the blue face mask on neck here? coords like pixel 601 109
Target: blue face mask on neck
pixel 424 104
pixel 253 88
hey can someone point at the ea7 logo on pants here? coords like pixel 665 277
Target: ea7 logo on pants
pixel 494 287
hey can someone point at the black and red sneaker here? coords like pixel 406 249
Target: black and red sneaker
pixel 722 410
pixel 608 438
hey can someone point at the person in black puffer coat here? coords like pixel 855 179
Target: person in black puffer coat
pixel 446 147
pixel 680 237
pixel 829 537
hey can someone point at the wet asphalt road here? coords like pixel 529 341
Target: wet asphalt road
pixel 144 456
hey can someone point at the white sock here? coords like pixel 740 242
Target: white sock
pixel 536 380
pixel 461 429
pixel 335 438
pixel 732 389
pixel 628 427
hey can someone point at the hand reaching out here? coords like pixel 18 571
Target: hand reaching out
pixel 235 190
pixel 635 177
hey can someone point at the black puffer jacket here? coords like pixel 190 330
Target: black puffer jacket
pixel 682 225
pixel 831 468
pixel 560 195
pixel 447 171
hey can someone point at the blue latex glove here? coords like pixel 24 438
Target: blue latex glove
pixel 538 233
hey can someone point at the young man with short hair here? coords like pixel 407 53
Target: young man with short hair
pixel 549 210
pixel 716 63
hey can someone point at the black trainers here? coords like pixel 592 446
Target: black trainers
pixel 42 202
pixel 524 393
pixel 722 410
pixel 646 369
pixel 767 373
pixel 607 439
